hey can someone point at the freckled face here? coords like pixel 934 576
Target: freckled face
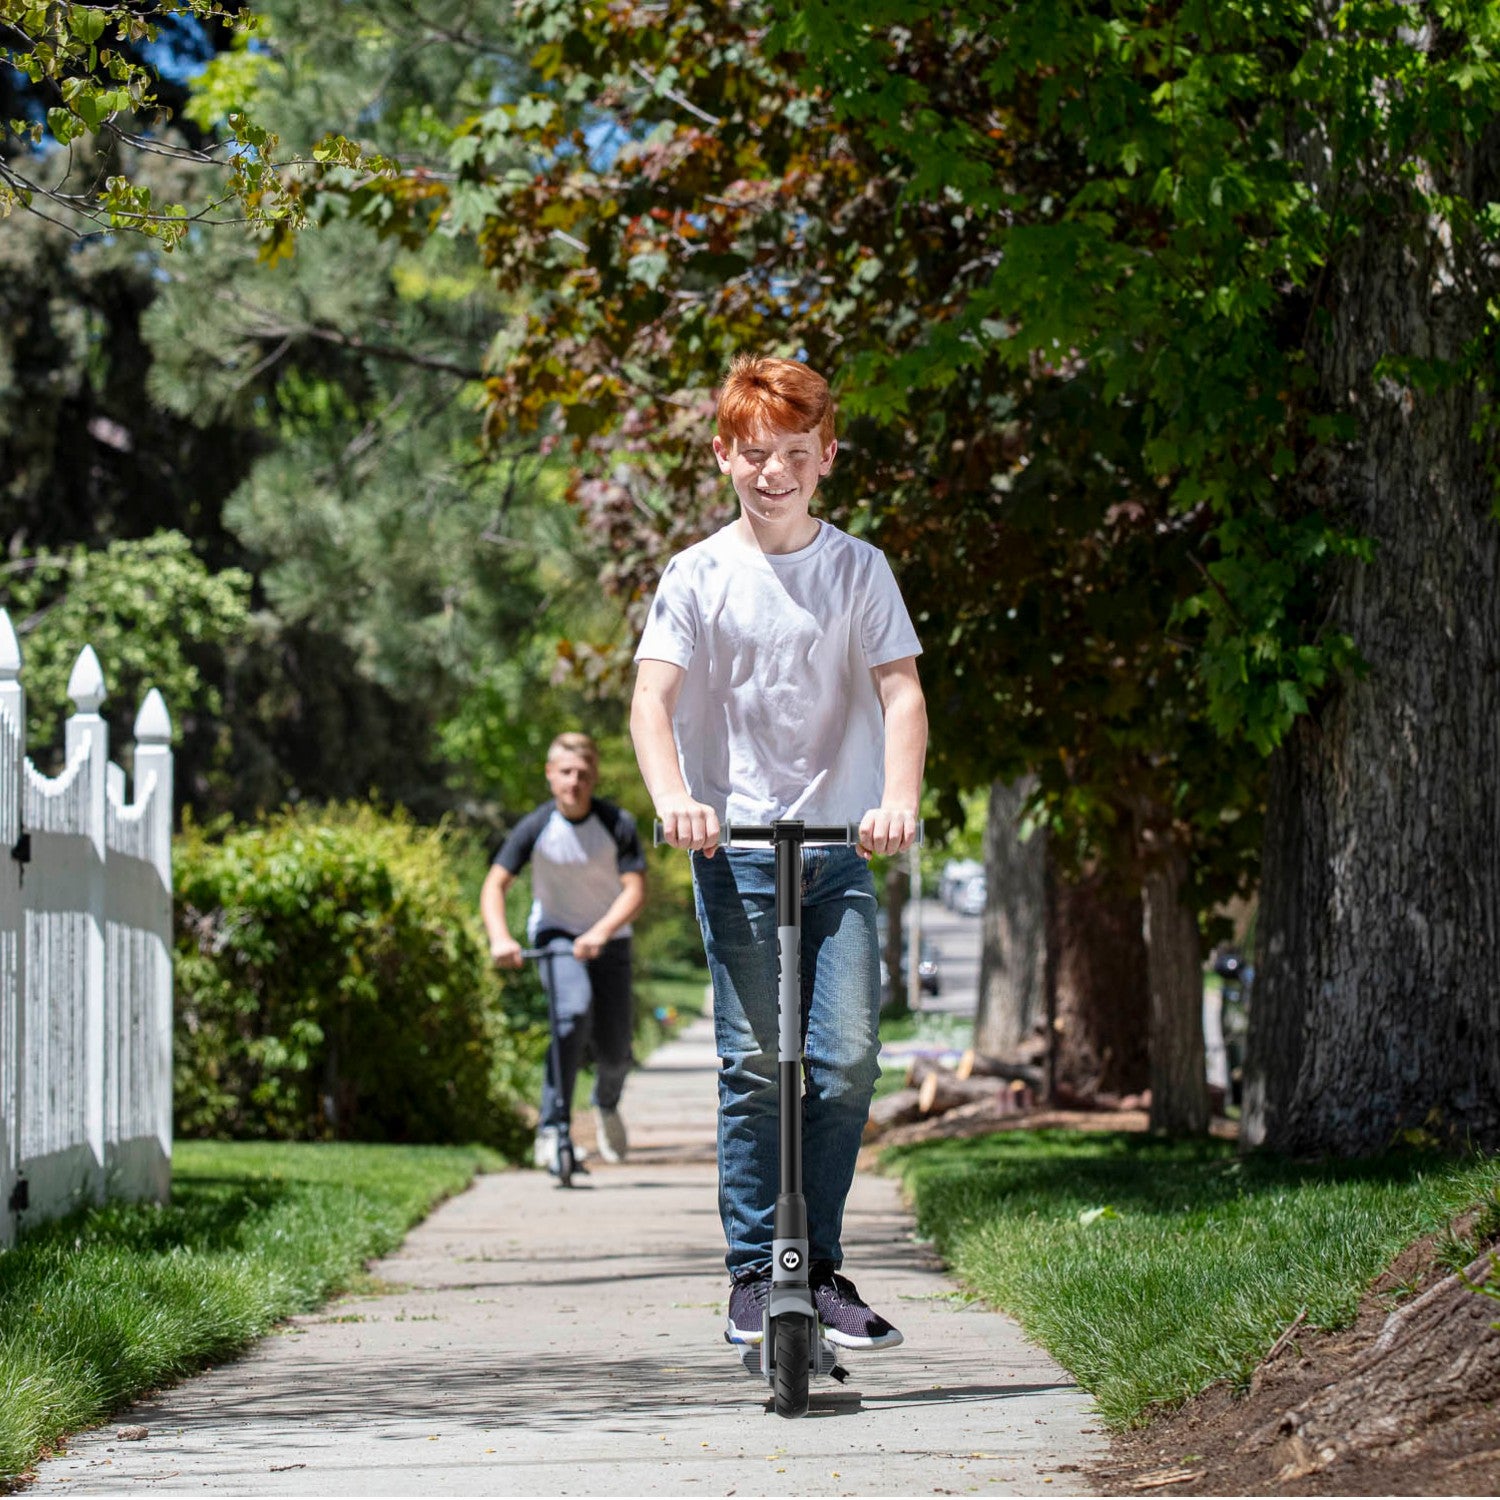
pixel 774 473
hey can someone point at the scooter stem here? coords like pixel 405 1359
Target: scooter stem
pixel 788 845
pixel 789 1248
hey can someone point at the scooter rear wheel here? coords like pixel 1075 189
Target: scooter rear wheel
pixel 791 1336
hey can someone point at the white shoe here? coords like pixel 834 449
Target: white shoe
pixel 544 1151
pixel 613 1142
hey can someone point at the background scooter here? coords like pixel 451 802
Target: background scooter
pixel 567 1155
pixel 792 1351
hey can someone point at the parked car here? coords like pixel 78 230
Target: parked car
pixel 1236 976
pixel 928 974
pixel 929 969
pixel 970 902
pixel 956 874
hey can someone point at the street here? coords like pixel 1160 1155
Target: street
pixel 956 939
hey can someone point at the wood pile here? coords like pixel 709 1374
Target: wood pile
pixel 973 1084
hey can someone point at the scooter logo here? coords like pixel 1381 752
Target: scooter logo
pixel 790 1259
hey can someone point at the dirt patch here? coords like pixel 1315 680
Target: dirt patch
pixel 1403 1402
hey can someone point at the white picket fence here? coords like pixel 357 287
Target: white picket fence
pixel 85 958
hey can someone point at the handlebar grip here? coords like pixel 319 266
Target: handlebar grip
pixel 726 840
pixel 727 831
pixel 658 837
pixel 556 946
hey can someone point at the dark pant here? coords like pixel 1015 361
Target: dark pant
pixel 592 1006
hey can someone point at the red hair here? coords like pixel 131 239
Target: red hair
pixel 784 394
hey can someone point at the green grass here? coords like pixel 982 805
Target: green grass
pixel 110 1303
pixel 1200 1259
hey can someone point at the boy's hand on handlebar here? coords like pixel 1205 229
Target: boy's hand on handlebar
pixel 686 824
pixel 589 945
pixel 887 830
pixel 506 953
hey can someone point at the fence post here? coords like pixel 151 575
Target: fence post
pixel 153 759
pixel 88 735
pixel 12 921
pixel 12 694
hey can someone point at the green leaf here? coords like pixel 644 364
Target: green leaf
pixel 64 125
pixel 648 267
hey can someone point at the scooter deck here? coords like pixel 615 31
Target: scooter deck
pixel 825 1361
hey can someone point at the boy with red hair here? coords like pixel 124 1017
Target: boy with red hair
pixel 778 679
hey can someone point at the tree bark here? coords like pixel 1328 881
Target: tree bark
pixel 1174 961
pixel 1099 1000
pixel 1436 1356
pixel 1376 1007
pixel 1013 943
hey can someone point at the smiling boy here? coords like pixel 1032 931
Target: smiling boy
pixel 778 679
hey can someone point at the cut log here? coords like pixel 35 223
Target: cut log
pixel 920 1069
pixel 941 1092
pixel 976 1065
pixel 899 1108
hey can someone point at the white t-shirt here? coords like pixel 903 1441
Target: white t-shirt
pixel 778 716
pixel 575 867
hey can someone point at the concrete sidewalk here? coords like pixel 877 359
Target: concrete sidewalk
pixel 536 1341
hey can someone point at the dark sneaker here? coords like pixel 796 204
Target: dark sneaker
pixel 746 1323
pixel 846 1320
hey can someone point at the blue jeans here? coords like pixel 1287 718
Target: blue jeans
pixel 735 893
pixel 593 1008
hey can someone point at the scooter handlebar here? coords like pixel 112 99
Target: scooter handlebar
pixel 731 834
pixel 555 947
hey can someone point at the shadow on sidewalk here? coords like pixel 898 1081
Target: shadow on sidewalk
pixel 558 1393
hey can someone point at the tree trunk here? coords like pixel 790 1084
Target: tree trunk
pixel 1375 1007
pixel 1174 961
pixel 1013 951
pixel 1099 1000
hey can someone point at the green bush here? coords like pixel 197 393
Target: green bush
pixel 332 983
pixel 666 932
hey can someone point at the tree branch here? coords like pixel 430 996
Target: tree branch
pixel 398 356
pixel 679 99
pixel 269 327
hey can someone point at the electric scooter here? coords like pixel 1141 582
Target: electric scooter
pixel 567 1156
pixel 791 1351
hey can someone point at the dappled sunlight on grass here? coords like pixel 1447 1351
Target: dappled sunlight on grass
pixel 1152 1268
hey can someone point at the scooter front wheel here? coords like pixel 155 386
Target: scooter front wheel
pixel 791 1343
pixel 566 1163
